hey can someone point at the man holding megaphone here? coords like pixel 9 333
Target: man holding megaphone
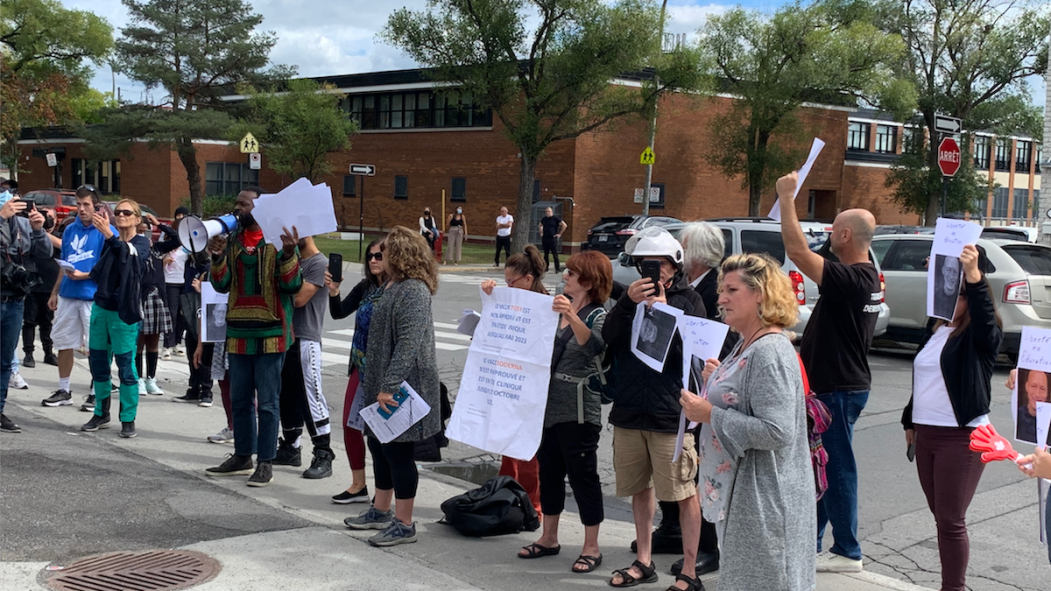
pixel 261 281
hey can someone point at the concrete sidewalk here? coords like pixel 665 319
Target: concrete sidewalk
pixel 326 555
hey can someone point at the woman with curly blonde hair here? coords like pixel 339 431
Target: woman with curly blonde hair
pixel 400 350
pixel 757 479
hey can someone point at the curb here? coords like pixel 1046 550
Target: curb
pixel 885 581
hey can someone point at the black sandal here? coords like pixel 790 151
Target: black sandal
pixel 649 575
pixel 538 551
pixel 591 562
pixel 692 584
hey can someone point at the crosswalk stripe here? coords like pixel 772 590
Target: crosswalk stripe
pixel 448 325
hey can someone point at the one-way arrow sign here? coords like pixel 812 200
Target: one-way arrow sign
pixel 946 124
pixel 363 169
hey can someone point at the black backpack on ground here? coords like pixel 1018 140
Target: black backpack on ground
pixel 500 506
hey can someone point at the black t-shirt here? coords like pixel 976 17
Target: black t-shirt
pixel 550 225
pixel 838 336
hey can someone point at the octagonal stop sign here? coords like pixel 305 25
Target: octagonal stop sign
pixel 949 156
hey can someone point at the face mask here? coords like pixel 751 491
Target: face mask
pixel 5 197
pixel 458 210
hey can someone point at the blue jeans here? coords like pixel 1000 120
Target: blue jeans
pixel 10 330
pixel 839 506
pixel 255 377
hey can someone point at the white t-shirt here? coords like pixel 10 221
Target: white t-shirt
pixel 173 272
pixel 503 219
pixel 930 397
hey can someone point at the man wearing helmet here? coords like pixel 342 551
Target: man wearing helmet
pixel 645 413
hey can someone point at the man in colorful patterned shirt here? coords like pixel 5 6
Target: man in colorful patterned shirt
pixel 261 281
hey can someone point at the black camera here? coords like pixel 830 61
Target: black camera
pixel 30 206
pixel 18 280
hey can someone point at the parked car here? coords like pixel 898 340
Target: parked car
pixel 610 233
pixel 1010 233
pixel 1020 279
pixel 155 233
pixel 881 230
pixel 764 235
pixel 61 202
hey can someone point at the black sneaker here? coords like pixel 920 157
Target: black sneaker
pixel 127 430
pixel 89 404
pixel 7 425
pixel 288 455
pixel 233 466
pixel 59 398
pixel 50 359
pixel 206 400
pixel 95 423
pixel 347 497
pixel 321 465
pixel 263 475
pixel 29 361
pixel 191 396
pixel 114 387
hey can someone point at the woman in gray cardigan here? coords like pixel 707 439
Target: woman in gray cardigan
pixel 400 349
pixel 756 476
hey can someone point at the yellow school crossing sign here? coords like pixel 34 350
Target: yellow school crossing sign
pixel 248 144
pixel 647 156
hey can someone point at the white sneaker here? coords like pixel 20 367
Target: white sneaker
pixel 17 382
pixel 179 352
pixel 152 387
pixel 828 562
pixel 224 436
pixel 166 355
pixel 142 387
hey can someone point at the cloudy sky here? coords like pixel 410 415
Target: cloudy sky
pixel 332 37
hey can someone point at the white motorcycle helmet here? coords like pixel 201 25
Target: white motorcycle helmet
pixel 655 242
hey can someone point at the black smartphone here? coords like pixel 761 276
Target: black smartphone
pixel 650 269
pixel 335 266
pixel 910 452
pixel 30 206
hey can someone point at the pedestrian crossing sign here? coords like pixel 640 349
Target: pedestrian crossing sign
pixel 248 144
pixel 647 156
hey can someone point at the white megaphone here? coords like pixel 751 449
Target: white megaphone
pixel 194 233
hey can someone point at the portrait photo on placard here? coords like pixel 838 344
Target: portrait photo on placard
pixel 655 333
pixel 1031 389
pixel 214 322
pixel 942 295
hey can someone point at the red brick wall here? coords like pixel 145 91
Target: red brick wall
pixel 863 187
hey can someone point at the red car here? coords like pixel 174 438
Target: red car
pixel 62 202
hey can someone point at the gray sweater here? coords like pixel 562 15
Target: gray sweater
pixel 401 349
pixel 577 361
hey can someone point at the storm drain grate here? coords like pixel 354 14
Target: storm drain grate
pixel 153 570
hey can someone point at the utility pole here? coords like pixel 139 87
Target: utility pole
pixel 653 118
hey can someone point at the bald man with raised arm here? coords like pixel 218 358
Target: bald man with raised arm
pixel 835 352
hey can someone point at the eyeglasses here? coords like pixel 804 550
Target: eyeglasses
pixel 373 255
pixel 124 212
pixel 512 282
pixel 570 273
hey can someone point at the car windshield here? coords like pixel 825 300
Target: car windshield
pixel 1033 260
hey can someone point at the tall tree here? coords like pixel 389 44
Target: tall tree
pixel 544 67
pixel 299 127
pixel 196 51
pixel 967 59
pixel 44 74
pixel 828 51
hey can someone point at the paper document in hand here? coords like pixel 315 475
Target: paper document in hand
pixel 652 331
pixel 308 208
pixel 804 171
pixel 387 426
pixel 468 322
pixel 213 314
pixel 66 265
pixel 503 392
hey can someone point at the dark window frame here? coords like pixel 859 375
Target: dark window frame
pixel 225 181
pixel 886 134
pixel 1003 154
pixel 401 186
pixel 461 195
pixel 858 136
pixel 353 180
pixel 414 109
pixel 982 150
pixel 1023 156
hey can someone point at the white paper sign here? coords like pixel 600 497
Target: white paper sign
pixel 652 331
pixel 308 208
pixel 503 392
pixel 388 425
pixel 950 236
pixel 213 314
pixel 354 420
pixel 468 322
pixel 702 339
pixel 804 171
pixel 1034 352
pixel 1043 423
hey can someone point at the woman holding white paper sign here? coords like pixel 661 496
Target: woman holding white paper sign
pixel 400 349
pixel 951 394
pixel 756 475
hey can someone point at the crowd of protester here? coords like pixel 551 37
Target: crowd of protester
pixel 118 294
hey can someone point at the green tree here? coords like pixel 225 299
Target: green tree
pixel 45 51
pixel 299 126
pixel 544 67
pixel 827 52
pixel 967 59
pixel 196 51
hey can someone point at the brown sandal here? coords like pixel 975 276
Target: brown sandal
pixel 649 575
pixel 591 562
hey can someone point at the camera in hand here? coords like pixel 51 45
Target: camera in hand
pixel 17 280
pixel 30 206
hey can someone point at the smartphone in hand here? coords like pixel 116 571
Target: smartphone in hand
pixel 335 266
pixel 650 269
pixel 910 452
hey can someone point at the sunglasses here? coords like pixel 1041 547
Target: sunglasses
pixel 373 255
pixel 89 188
pixel 124 212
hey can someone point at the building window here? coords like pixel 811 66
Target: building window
pixel 1021 204
pixel 886 139
pixel 1023 156
pixel 350 184
pixel 1039 157
pixel 981 152
pixel 459 189
pixel 1036 213
pixel 105 175
pixel 858 137
pixel 912 138
pixel 405 110
pixel 999 202
pixel 401 187
pixel 228 178
pixel 979 208
pixel 536 190
pixel 1003 154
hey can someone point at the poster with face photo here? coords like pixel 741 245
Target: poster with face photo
pixel 213 314
pixel 1030 398
pixel 943 286
pixel 652 331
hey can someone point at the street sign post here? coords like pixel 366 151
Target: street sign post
pixel 255 161
pixel 949 163
pixel 362 170
pixel 248 144
pixel 946 124
pixel 647 157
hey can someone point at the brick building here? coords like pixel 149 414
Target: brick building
pixel 425 145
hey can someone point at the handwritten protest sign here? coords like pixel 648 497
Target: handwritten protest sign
pixel 1031 389
pixel 702 339
pixel 503 392
pixel 950 236
pixel 944 272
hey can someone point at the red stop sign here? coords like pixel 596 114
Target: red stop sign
pixel 949 156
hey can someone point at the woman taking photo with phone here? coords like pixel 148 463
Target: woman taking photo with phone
pixel 951 393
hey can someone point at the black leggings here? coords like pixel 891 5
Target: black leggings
pixel 571 449
pixel 551 246
pixel 393 467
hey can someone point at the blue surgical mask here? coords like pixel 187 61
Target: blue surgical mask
pixel 5 197
pixel 458 210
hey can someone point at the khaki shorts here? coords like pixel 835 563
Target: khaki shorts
pixel 70 328
pixel 642 459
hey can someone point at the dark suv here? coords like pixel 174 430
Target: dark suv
pixel 610 233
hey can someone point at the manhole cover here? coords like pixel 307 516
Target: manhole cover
pixel 153 570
